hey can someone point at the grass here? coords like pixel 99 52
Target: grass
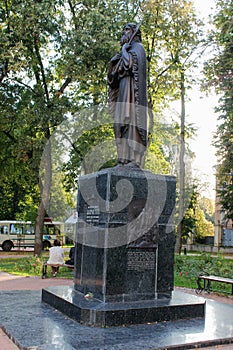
pixel 30 265
pixel 186 268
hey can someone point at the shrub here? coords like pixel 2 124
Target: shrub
pixel 188 267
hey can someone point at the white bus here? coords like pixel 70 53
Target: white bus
pixel 17 234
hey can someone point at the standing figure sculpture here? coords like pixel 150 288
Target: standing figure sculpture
pixel 128 97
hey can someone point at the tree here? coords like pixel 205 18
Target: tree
pixel 29 85
pixel 203 227
pixel 181 36
pixel 53 64
pixel 207 205
pixel 218 72
pixel 50 51
pixel 198 218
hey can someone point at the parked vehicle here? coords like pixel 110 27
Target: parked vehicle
pixel 17 234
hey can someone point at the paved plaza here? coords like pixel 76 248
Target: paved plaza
pixel 34 325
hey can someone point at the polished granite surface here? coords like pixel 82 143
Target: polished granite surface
pixel 35 325
pixel 125 234
pixel 69 294
pixel 94 312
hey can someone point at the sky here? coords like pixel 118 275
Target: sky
pixel 200 112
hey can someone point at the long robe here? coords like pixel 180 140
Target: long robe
pixel 128 102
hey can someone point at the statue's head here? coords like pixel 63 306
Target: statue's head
pixel 128 31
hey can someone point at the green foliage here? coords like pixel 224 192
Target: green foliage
pixel 203 226
pixel 196 219
pixel 30 106
pixel 89 153
pixel 53 63
pixel 54 59
pixel 172 33
pixel 188 267
pixel 25 266
pixel 189 223
pixel 225 191
pixel 156 161
pixel 162 146
pixel 219 76
pixel 208 207
pixel 31 266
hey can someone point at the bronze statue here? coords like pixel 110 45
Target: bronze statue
pixel 128 97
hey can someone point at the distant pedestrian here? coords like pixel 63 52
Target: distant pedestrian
pixel 56 257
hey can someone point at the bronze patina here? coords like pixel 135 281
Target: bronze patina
pixel 128 97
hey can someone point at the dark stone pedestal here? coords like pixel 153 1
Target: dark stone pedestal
pixel 96 313
pixel 125 251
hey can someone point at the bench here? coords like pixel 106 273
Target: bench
pixel 45 265
pixel 207 283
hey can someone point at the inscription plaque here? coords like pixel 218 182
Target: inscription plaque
pixel 140 260
pixel 92 215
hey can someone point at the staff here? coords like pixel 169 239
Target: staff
pixel 130 41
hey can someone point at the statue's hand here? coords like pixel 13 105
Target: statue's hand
pixel 126 47
pixel 115 58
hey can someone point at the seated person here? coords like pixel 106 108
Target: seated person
pixel 71 256
pixel 56 256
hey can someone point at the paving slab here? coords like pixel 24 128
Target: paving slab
pixel 14 282
pixel 5 342
pixel 35 325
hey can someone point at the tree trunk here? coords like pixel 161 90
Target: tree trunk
pixel 182 168
pixel 45 189
pixel 39 229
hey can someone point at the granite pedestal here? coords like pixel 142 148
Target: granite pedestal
pixel 96 313
pixel 125 251
pixel 35 325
